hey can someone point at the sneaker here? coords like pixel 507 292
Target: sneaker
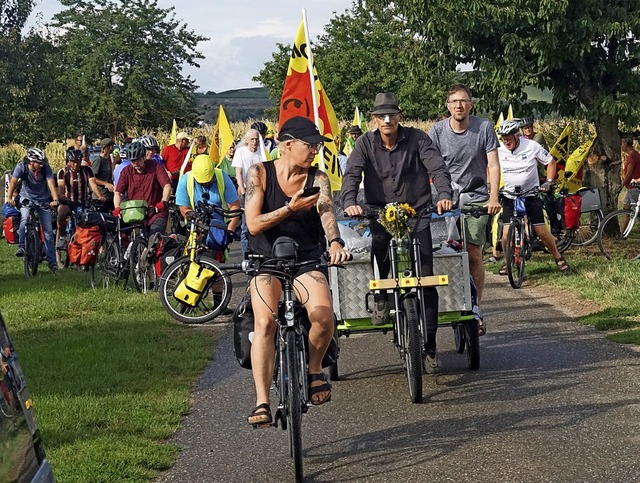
pixel 431 364
pixel 62 243
pixel 20 252
pixel 380 313
pixel 53 267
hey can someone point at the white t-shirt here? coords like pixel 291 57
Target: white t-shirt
pixel 243 158
pixel 520 168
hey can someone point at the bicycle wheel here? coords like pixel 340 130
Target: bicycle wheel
pixel 619 236
pixel 144 274
pixel 412 348
pixel 515 253
pixel 459 335
pixel 472 344
pixel 63 257
pixel 587 232
pixel 294 402
pixel 564 240
pixel 108 264
pixel 214 300
pixel 31 252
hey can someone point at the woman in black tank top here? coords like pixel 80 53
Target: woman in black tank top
pixel 274 206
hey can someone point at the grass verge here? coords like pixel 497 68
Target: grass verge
pixel 109 371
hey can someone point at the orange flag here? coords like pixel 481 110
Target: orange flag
pixel 303 95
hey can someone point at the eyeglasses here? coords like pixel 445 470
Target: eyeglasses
pixel 459 101
pixel 381 117
pixel 311 147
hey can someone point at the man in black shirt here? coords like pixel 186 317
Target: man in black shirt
pixel 398 162
pixel 103 172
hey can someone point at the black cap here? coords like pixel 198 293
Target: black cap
pixel 303 129
pixel 386 103
pixel 355 130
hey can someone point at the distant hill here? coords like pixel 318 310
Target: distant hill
pixel 239 104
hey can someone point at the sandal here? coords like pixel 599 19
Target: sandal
pixel 260 416
pixel 482 329
pixel 503 270
pixel 562 264
pixel 319 389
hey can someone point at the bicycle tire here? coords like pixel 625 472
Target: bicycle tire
pixel 515 253
pixel 564 241
pixel 109 260
pixel 63 257
pixel 472 344
pixel 209 307
pixel 334 373
pixel 32 252
pixel 459 336
pixel 613 245
pixel 587 232
pixel 144 275
pixel 413 348
pixel 294 402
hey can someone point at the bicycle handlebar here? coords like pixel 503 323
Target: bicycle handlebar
pixel 519 193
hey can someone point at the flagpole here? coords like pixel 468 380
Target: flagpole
pixel 313 84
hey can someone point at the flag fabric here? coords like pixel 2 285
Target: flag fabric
pixel 510 113
pixel 560 149
pixel 357 120
pixel 222 138
pixel 174 132
pixel 573 167
pixel 303 97
pixel 189 157
pixel 500 120
pixel 349 144
pixel 263 152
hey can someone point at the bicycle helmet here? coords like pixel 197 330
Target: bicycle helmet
pixel 73 155
pixel 261 127
pixel 526 121
pixel 509 127
pixel 148 141
pixel 136 150
pixel 36 155
pixel 202 169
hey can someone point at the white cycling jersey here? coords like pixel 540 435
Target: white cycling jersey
pixel 520 167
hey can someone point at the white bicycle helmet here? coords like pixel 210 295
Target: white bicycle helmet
pixel 509 127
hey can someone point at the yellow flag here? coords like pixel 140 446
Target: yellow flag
pixel 357 120
pixel 510 113
pixel 500 121
pixel 174 133
pixel 222 138
pixel 560 149
pixel 574 167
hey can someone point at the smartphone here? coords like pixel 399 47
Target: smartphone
pixel 310 191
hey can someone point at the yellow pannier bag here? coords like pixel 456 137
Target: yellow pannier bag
pixel 190 290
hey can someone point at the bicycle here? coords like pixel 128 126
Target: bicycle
pixel 203 295
pixel 62 252
pixel 619 233
pixel 591 218
pixel 291 365
pixel 33 249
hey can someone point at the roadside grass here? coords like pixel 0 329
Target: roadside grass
pixel 612 285
pixel 110 373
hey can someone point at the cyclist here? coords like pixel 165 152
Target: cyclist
pixel 75 185
pixel 103 174
pixel 275 207
pixel 39 187
pixel 152 148
pixel 145 180
pixel 518 161
pixel 204 178
pixel 397 162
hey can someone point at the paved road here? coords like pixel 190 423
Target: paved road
pixel 552 402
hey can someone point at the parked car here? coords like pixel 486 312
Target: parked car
pixel 22 457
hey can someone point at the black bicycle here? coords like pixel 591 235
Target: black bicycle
pixel 33 247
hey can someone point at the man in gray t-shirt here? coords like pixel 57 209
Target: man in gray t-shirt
pixel 469 146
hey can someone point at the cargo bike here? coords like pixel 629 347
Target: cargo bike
pixel 353 286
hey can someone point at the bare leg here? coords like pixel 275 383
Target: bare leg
pixel 476 267
pixel 548 240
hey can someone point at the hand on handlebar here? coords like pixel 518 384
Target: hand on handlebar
pixel 546 186
pixel 338 255
pixel 354 210
pixel 444 205
pixel 493 207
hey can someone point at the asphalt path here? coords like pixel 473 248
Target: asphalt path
pixel 553 401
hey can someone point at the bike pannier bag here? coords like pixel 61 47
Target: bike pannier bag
pixel 218 238
pixel 89 239
pixel 164 250
pixel 10 228
pixel 190 290
pixel 590 200
pixel 74 251
pixel 572 211
pixel 243 331
pixel 105 221
pixel 133 211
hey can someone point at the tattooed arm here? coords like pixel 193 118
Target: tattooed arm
pixel 328 219
pixel 257 221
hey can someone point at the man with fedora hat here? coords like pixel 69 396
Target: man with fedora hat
pixel 398 162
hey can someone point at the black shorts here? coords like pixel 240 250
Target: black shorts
pixel 532 204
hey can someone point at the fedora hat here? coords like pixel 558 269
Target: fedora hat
pixel 386 103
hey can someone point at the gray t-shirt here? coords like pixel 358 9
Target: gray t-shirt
pixel 102 170
pixel 465 153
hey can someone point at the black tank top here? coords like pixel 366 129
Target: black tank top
pixel 303 226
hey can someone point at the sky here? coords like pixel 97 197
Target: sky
pixel 242 33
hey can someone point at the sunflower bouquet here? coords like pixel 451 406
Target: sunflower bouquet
pixel 394 219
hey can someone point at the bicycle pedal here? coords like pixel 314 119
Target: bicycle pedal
pixel 262 426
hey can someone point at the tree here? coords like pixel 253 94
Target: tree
pixel 361 54
pixel 123 65
pixel 586 51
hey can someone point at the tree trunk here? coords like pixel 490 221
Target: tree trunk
pixel 604 170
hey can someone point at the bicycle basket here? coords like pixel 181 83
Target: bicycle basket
pixel 133 211
pixel 191 289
